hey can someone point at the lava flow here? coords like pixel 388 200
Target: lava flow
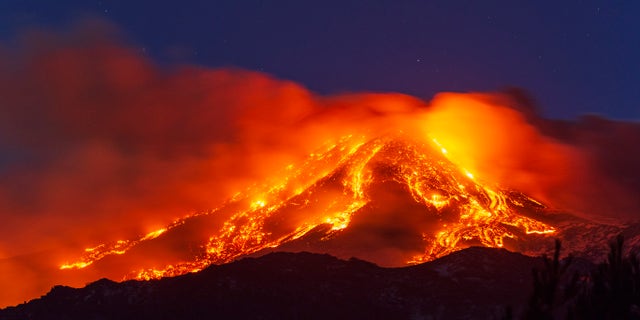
pixel 330 189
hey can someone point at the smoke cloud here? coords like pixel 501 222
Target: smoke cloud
pixel 97 143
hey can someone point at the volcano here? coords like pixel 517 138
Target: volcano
pixel 393 200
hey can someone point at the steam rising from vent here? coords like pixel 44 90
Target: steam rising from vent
pixel 106 154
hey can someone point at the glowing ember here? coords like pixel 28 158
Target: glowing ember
pixel 287 209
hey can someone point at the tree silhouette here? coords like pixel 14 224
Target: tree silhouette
pixel 546 299
pixel 612 291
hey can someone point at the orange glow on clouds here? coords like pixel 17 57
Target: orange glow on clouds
pixel 114 145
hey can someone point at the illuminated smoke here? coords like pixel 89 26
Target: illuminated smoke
pixel 103 145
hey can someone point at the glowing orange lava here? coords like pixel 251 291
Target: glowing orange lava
pixel 483 214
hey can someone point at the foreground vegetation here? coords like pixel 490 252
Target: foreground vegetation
pixel 610 291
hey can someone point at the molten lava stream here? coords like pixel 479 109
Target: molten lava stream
pixel 333 186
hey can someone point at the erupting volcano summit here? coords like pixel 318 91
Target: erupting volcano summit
pixel 394 200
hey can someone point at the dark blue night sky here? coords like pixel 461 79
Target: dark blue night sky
pixel 120 117
pixel 575 57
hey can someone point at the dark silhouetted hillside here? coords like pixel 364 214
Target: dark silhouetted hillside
pixel 472 283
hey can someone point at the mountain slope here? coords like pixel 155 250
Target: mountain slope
pixel 391 200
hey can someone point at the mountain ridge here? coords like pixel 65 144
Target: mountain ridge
pixel 304 285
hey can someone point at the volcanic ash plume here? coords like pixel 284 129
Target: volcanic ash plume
pixel 116 168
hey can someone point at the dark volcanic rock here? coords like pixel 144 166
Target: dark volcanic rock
pixel 473 283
